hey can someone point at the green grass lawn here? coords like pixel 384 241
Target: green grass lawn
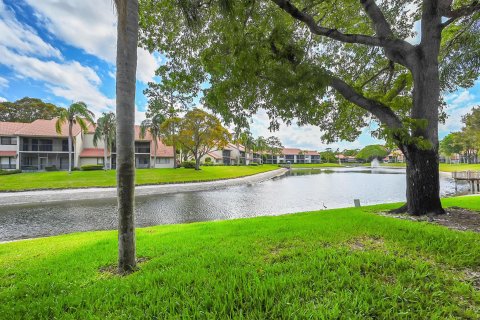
pixel 344 263
pixel 445 167
pixel 459 167
pixel 80 179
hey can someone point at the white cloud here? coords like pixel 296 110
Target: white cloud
pixel 139 115
pixel 305 137
pixel 3 82
pixel 91 26
pixel 147 64
pixel 22 38
pixel 2 99
pixel 69 80
pixel 458 105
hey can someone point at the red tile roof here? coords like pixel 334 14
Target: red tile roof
pixel 46 128
pixel 10 128
pixel 92 153
pixel 291 151
pixel 162 149
pixel 8 153
pixel 311 153
pixel 215 156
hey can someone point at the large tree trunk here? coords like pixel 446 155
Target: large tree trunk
pixel 423 186
pixel 127 37
pixel 70 139
pixel 197 162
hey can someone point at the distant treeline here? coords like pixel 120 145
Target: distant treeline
pixel 27 110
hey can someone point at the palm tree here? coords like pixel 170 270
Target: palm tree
pixel 106 131
pixel 237 133
pixel 261 146
pixel 247 141
pixel 77 113
pixel 127 40
pixel 153 127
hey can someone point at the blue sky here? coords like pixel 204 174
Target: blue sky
pixel 64 51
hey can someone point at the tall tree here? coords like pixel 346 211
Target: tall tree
pixel 76 113
pixel 237 138
pixel 274 146
pixel 248 142
pixel 261 146
pixel 338 65
pixel 153 126
pixel 170 99
pixel 105 130
pixel 201 133
pixel 169 133
pixel 127 39
pixel 27 110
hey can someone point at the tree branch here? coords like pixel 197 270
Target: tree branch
pixel 379 110
pixel 334 34
pixel 459 12
pixel 382 27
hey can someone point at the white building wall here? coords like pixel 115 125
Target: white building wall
pixel 9 147
pixel 78 147
pixel 162 162
pixel 87 161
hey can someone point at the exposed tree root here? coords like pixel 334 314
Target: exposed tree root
pixel 402 209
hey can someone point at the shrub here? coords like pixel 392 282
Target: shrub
pixel 51 168
pixel 7 172
pixel 253 164
pixel 91 167
pixel 208 160
pixel 75 169
pixel 188 164
pixel 208 164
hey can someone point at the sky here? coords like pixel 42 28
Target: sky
pixel 63 51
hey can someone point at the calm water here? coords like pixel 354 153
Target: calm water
pixel 301 190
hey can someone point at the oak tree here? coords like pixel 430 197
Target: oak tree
pixel 340 65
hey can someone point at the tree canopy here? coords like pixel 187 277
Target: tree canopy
pixel 27 110
pixel 467 141
pixel 200 133
pixel 372 152
pixel 341 65
pixel 313 62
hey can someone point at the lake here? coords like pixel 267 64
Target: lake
pixel 299 190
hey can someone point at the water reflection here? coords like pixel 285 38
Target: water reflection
pixel 301 190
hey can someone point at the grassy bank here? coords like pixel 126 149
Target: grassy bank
pixel 80 179
pixel 344 263
pixel 444 167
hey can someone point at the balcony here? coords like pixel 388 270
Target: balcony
pixel 142 147
pixel 7 166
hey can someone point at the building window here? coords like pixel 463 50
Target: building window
pixel 226 153
pixel 99 160
pixel 142 147
pixel 42 145
pixel 65 145
pixel 163 160
pixel 8 140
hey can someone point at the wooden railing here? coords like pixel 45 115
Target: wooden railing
pixel 466 175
